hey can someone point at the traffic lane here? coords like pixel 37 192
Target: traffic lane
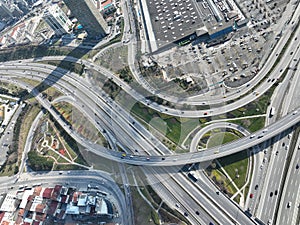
pixel 246 144
pixel 291 195
pixel 179 195
pixel 273 186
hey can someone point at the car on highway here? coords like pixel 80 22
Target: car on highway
pixel 269 222
pixel 256 187
pixel 252 136
pixel 265 160
pixel 297 166
pixel 177 205
pixel 271 194
pixel 276 192
pixel 251 195
pixel 289 204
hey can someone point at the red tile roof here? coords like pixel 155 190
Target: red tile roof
pixel 5 223
pixel 106 3
pixel 75 197
pixel 20 213
pixel 63 199
pixel 18 220
pixel 47 192
pixel 56 192
pixel 37 190
pixel 1 215
pixel 61 214
pixel 53 207
pixel 40 208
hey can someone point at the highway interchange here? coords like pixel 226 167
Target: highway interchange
pixel 198 200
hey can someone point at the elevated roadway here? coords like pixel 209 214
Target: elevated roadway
pixel 169 160
pixel 220 217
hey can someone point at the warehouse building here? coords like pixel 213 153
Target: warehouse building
pixel 181 21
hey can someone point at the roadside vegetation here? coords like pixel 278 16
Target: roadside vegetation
pixel 114 58
pixel 53 148
pixel 236 171
pixel 228 173
pixel 154 210
pixel 77 68
pixel 48 92
pixel 20 132
pixel 33 51
pixel 80 123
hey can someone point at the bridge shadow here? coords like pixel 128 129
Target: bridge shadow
pixel 60 69
pixel 266 147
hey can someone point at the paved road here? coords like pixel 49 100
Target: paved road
pixel 291 192
pixel 79 179
pixel 7 136
pixel 121 120
pixel 200 133
pixel 288 56
pixel 47 106
pixel 271 192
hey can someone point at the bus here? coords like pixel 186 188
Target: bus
pixel 192 176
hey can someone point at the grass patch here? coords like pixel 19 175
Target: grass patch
pixel 114 59
pixel 68 142
pixel 237 161
pixel 69 66
pixel 251 124
pixel 39 163
pixel 174 128
pixel 98 162
pixel 48 91
pixel 235 165
pixel 80 123
pixel 142 211
pixel 67 167
pixel 221 138
pixel 36 51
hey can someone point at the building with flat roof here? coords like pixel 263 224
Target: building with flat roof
pixel 5 12
pixel 57 20
pixel 180 21
pixel 89 17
